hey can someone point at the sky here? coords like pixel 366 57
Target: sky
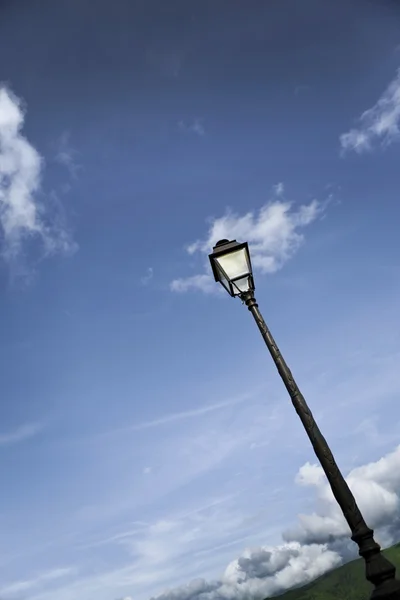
pixel 148 448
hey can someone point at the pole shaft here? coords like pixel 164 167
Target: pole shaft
pixel 379 571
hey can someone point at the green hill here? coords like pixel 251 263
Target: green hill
pixel 347 581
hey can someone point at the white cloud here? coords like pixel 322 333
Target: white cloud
pixel 196 126
pixel 261 572
pixel 22 215
pixel 379 124
pixel 204 282
pixel 274 235
pixel 20 434
pixel 376 487
pixel 310 475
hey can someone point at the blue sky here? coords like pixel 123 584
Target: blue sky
pixel 148 448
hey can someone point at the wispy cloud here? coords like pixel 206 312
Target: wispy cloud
pixel 279 189
pixel 22 215
pixel 317 545
pixel 181 449
pixel 179 539
pixel 195 126
pixel 22 433
pixel 379 124
pixel 191 414
pixel 158 551
pixel 145 280
pixel 200 456
pixel 168 62
pixel 274 236
pixel 17 587
pixel 188 542
pixel 67 156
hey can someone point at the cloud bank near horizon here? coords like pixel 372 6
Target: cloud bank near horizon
pixel 319 542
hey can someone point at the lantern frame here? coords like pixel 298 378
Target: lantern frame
pixel 226 247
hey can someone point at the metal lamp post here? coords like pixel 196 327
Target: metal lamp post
pixel 231 266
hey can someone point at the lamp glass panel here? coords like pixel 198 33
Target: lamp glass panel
pixel 234 264
pixel 223 280
pixel 241 285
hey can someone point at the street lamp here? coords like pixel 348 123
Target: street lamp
pixel 231 266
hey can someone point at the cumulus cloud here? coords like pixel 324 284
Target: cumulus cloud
pixel 203 282
pixel 22 215
pixel 376 487
pixel 274 235
pixel 261 572
pixel 379 124
pixel 320 541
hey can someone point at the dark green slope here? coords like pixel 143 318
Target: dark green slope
pixel 345 583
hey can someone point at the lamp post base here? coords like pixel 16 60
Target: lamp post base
pixel 389 590
pixel 378 569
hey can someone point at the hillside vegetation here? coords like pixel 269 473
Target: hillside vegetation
pixel 344 583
